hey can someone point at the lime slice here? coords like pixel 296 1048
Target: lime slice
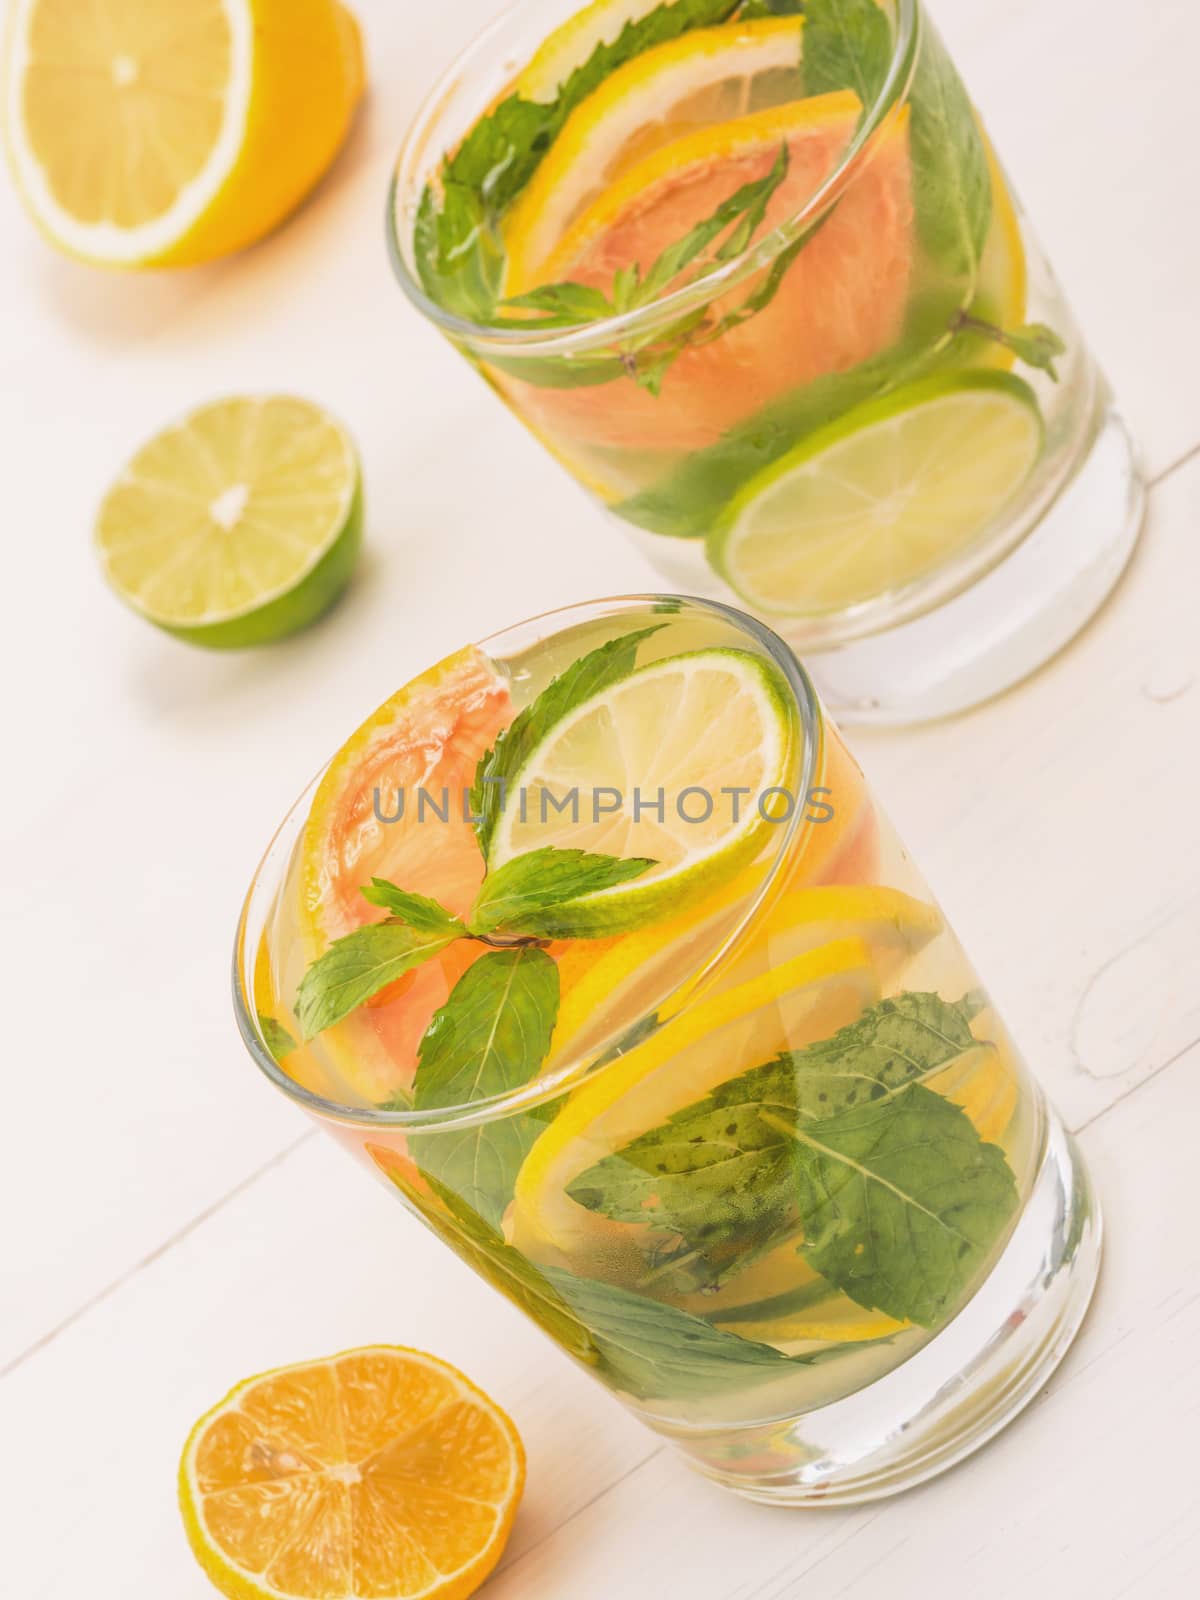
pixel 805 999
pixel 238 525
pixel 881 496
pixel 688 730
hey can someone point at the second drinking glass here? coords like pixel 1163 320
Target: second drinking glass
pixel 751 271
pixel 593 945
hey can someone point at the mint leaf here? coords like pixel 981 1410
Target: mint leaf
pixel 952 184
pixel 771 8
pixel 502 764
pixel 276 1037
pixel 358 966
pixel 565 304
pixel 490 1038
pixel 532 893
pixel 655 1351
pixel 456 242
pixel 746 207
pixel 723 1173
pixel 847 45
pixel 902 1202
pixel 419 912
pixel 486 1252
pixel 644 1348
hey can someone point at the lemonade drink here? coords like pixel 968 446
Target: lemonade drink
pixel 751 271
pixel 593 944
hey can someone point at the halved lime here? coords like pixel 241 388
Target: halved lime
pixel 649 767
pixel 880 497
pixel 238 525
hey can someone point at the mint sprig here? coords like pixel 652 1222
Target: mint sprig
pixel 490 1038
pixel 527 899
pixel 784 1149
pixel 456 242
pixel 647 357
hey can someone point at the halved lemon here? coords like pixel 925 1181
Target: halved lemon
pixel 704 78
pixel 878 498
pixel 165 135
pixel 649 767
pixel 803 1000
pixel 379 1472
pixel 238 525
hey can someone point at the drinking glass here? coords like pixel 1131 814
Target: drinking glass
pixel 855 402
pixel 782 1183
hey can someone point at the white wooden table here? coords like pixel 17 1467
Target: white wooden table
pixel 170 1225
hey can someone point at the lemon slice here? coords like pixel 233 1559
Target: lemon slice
pixel 627 975
pixel 880 497
pixel 834 1320
pixel 793 1005
pixel 894 927
pixel 238 525
pixel 163 135
pixel 985 1083
pixel 688 730
pixel 707 77
pixel 571 44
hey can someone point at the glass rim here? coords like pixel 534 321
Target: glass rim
pixel 576 1069
pixel 760 253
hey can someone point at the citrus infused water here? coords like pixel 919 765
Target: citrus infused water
pixel 751 271
pixel 593 944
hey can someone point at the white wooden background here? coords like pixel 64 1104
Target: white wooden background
pixel 170 1225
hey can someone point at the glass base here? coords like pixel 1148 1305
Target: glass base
pixel 1009 622
pixel 953 1395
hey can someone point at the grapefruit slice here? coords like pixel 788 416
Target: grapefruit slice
pixel 841 301
pixel 429 737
